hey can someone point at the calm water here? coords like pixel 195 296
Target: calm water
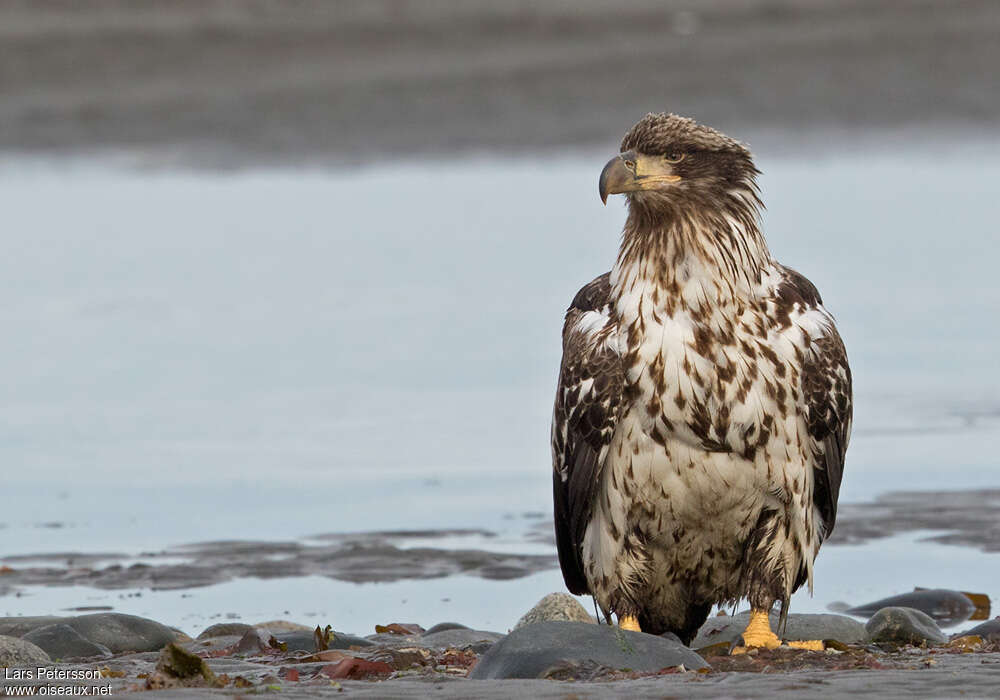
pixel 271 355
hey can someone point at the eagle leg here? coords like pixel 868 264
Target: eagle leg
pixel 758 635
pixel 629 622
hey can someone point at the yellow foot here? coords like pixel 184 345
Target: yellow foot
pixel 810 644
pixel 629 623
pixel 758 633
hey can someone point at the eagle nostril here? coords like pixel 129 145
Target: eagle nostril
pixel 630 164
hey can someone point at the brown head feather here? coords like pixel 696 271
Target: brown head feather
pixel 712 212
pixel 658 134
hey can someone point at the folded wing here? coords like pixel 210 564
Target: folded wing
pixel 586 410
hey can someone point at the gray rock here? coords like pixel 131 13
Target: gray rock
pixel 20 626
pixel 233 666
pixel 342 640
pixel 555 606
pixel 542 649
pixel 302 640
pixel 180 635
pixel 801 626
pixel 946 607
pixel 120 632
pixel 904 626
pixel 225 629
pixel 395 640
pixel 213 644
pixel 275 626
pixel 442 626
pixel 989 630
pixel 254 641
pixel 472 640
pixel 670 636
pixel 60 641
pixel 17 652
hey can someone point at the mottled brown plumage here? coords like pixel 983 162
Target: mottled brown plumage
pixel 704 400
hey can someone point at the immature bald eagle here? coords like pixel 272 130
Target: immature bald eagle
pixel 704 400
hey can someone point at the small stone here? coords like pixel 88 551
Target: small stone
pixel 442 626
pixel 213 644
pixel 555 606
pixel 899 626
pixel 305 640
pixel 225 629
pixel 254 641
pixel 342 640
pixel 672 637
pixel 945 606
pixel 402 659
pixel 121 633
pixel 275 626
pixel 478 641
pixel 989 630
pixel 16 652
pixel 298 640
pixel 406 629
pixel 395 640
pixel 544 648
pixel 63 642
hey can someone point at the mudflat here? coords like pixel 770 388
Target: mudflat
pixel 316 82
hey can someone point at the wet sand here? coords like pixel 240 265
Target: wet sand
pixel 317 83
pixel 371 557
pixel 962 518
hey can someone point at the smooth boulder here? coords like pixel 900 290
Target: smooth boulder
pixel 16 652
pixel 444 626
pixel 899 626
pixel 225 629
pixel 945 606
pixel 305 640
pixel 989 630
pixel 801 626
pixel 275 626
pixel 555 606
pixel 21 625
pixel 120 633
pixel 61 641
pixel 542 649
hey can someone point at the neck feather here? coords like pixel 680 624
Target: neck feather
pixel 673 246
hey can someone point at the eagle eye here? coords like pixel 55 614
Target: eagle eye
pixel 674 157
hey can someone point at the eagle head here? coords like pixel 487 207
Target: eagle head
pixel 667 161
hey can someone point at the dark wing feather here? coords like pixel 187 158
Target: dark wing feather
pixel 826 384
pixel 586 408
pixel 826 388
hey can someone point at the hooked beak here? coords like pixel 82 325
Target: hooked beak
pixel 632 171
